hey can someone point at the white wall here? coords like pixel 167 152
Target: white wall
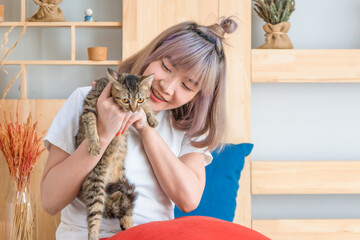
pixel 312 121
pixel 289 121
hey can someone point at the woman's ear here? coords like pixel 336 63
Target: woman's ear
pixel 147 80
pixel 112 75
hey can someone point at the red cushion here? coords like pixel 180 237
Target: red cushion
pixel 187 228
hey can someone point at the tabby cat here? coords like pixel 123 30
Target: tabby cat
pixel 106 191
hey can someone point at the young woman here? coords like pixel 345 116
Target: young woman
pixel 166 164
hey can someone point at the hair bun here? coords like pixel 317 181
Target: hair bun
pixel 228 25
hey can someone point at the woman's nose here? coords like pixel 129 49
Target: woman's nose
pixel 168 86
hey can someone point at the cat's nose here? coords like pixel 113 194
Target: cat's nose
pixel 133 108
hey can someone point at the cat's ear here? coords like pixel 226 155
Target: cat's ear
pixel 112 75
pixel 147 80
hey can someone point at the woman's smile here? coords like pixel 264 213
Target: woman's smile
pixel 156 95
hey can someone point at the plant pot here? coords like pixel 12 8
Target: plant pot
pixel 276 36
pixel 2 9
pixel 97 53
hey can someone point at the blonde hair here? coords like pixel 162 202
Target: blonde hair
pixel 198 51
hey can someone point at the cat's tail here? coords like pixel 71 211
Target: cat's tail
pixel 120 199
pixel 122 186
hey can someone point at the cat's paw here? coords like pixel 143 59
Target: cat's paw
pixel 126 222
pixel 94 148
pixel 153 122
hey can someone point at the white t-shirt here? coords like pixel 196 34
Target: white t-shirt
pixel 151 204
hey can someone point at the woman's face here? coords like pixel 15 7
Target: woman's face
pixel 171 88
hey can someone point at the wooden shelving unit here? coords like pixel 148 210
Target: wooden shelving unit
pixel 306 65
pixel 62 24
pixel 62 62
pixel 72 61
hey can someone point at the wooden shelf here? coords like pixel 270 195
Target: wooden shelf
pixel 304 65
pixel 63 24
pixel 62 62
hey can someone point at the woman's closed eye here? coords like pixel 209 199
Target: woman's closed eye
pixel 187 88
pixel 165 67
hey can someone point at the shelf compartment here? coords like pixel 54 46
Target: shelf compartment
pixel 63 24
pixel 305 65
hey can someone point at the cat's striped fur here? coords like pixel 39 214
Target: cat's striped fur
pixel 106 191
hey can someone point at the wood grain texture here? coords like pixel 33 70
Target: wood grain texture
pixel 306 177
pixel 73 43
pixel 309 229
pixel 303 65
pixel 238 89
pixel 42 111
pixel 61 62
pixel 63 24
pixel 23 11
pixel 143 20
pixel 23 82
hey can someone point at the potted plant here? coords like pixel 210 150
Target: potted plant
pixel 276 14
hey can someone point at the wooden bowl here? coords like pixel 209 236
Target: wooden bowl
pixel 97 53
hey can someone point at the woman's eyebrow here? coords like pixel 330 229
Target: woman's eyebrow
pixel 193 82
pixel 189 79
pixel 170 62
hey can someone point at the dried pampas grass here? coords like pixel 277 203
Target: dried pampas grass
pixel 21 146
pixel 5 52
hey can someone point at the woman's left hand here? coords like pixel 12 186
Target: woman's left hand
pixel 138 120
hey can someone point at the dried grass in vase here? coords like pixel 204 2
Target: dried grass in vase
pixel 21 146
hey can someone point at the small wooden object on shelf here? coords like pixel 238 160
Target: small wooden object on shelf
pixel 97 53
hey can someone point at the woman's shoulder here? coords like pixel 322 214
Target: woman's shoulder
pixel 81 91
pixel 78 95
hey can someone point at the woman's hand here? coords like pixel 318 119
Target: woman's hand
pixel 110 118
pixel 138 120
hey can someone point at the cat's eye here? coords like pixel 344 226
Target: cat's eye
pixel 125 100
pixel 140 100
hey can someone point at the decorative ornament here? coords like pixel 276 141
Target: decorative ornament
pixel 276 14
pixel 21 147
pixel 48 11
pixel 88 15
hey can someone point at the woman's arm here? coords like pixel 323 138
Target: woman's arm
pixel 64 173
pixel 183 180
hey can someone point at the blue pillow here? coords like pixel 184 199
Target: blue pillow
pixel 222 183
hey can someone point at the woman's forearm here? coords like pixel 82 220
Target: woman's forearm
pixel 62 182
pixel 179 181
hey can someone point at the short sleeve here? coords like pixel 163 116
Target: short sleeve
pixel 186 147
pixel 65 125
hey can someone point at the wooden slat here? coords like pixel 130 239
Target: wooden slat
pixel 305 65
pixel 140 25
pixel 63 24
pixel 238 88
pixel 62 62
pixel 306 177
pixel 43 111
pixel 23 10
pixel 73 43
pixel 23 82
pixel 309 229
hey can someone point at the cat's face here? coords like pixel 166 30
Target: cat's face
pixel 130 91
